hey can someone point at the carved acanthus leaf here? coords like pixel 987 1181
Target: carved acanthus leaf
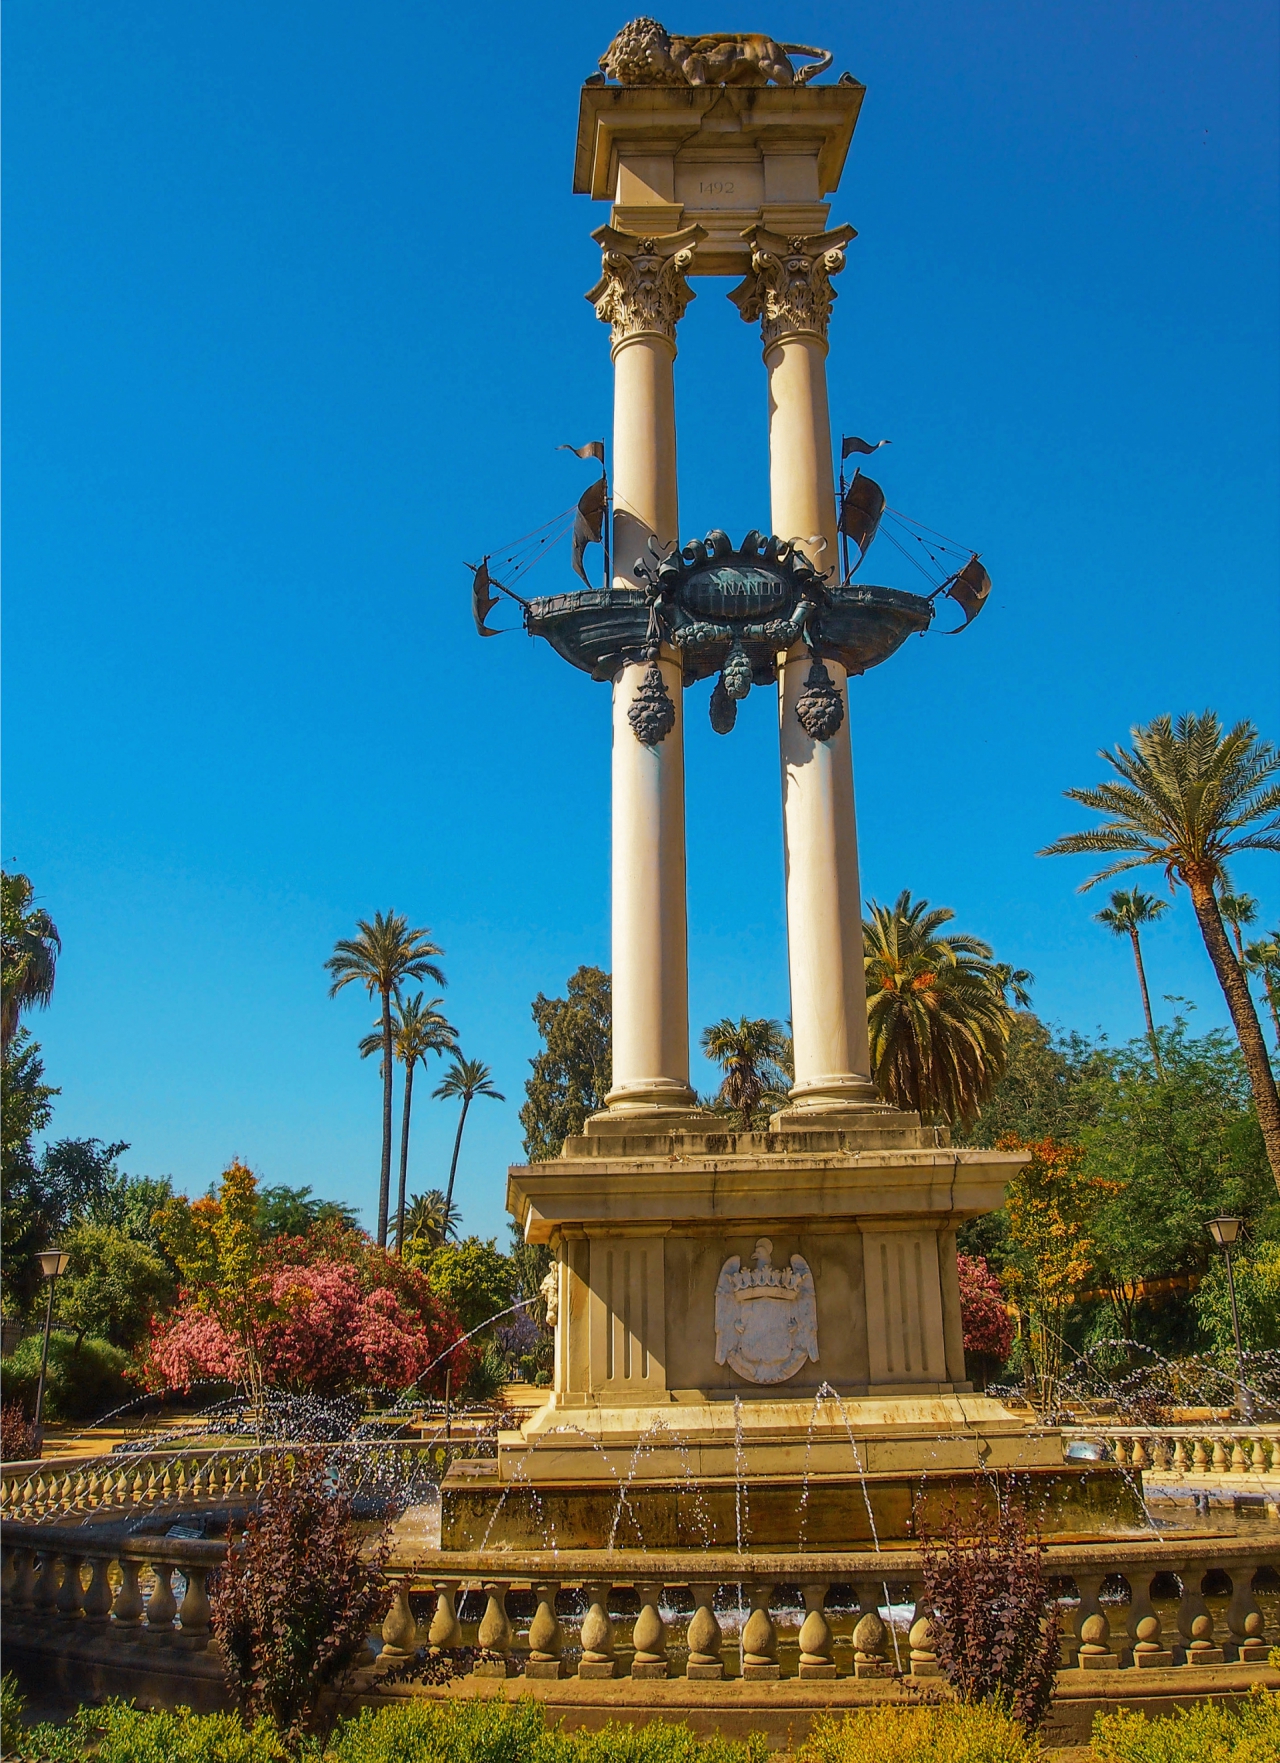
pixel 789 288
pixel 642 288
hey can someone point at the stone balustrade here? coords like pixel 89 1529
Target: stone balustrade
pixel 66 1487
pixel 1187 1453
pixel 654 1616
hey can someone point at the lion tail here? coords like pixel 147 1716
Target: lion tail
pixel 804 74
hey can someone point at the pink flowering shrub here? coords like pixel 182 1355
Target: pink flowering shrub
pixel 326 1322
pixel 988 1326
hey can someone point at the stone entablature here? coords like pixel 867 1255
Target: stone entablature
pixel 727 158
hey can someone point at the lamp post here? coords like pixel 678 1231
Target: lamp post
pixel 1225 1233
pixel 52 1263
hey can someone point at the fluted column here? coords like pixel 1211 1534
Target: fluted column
pixel 789 290
pixel 642 294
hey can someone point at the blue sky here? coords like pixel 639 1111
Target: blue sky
pixel 294 324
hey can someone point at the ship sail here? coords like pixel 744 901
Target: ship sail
pixel 588 523
pixel 969 589
pixel 860 512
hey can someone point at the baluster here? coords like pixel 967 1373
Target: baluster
pixel 1200 1457
pixel 44 1596
pixel 1120 1450
pixel 870 1636
pixel 1195 1623
pixel 162 1607
pixel 23 1580
pixel 71 1591
pixel 760 1638
pixel 703 1636
pixel 399 1625
pixel 1140 1459
pixel 649 1636
pixel 817 1643
pixel 597 1633
pixel 924 1657
pixel 97 1600
pixel 1180 1459
pixel 495 1630
pixel 1245 1620
pixel 445 1630
pixel 193 1617
pixel 546 1639
pixel 1239 1462
pixel 1160 1454
pixel 1093 1628
pixel 66 1489
pixel 128 1607
pixel 1143 1626
pixel 1221 1461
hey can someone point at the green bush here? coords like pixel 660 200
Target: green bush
pixel 83 1383
pixel 1209 1732
pixel 953 1732
pixel 12 1703
pixel 487 1731
pixel 121 1733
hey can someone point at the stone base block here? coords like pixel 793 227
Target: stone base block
pixel 598 1669
pixel 762 1673
pixel 817 1670
pixel 872 1668
pixel 1205 1656
pixel 926 1671
pixel 1252 1653
pixel 1099 1661
pixel 709 1673
pixel 552 1668
pixel 650 1668
pixel 494 1668
pixel 1162 1657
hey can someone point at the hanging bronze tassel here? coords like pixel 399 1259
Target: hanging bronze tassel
pixel 652 715
pixel 737 672
pixel 820 706
pixel 724 709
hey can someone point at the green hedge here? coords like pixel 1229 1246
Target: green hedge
pixel 949 1733
pixel 82 1383
pixel 1210 1732
pixel 465 1731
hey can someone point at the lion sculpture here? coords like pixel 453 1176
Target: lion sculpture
pixel 645 54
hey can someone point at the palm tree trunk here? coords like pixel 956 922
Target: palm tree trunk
pixel 1244 1016
pixel 453 1167
pixel 388 1074
pixel 404 1154
pixel 1146 1001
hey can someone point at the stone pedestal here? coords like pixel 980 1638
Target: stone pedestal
pixel 771 1311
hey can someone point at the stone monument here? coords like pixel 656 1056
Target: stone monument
pixel 780 1306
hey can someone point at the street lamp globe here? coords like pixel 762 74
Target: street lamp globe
pixel 53 1262
pixel 1225 1231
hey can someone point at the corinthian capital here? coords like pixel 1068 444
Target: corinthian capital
pixel 789 288
pixel 642 288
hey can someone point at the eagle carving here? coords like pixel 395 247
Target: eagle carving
pixel 766 1316
pixel 644 53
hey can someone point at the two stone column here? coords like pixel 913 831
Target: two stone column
pixel 789 290
pixel 642 295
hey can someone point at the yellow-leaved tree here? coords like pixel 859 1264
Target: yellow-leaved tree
pixel 1050 1206
pixel 216 1246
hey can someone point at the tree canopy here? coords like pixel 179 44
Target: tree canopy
pixel 574 1072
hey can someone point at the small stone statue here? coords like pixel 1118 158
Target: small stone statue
pixel 549 1292
pixel 644 53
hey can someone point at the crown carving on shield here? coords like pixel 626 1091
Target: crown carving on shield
pixel 764 1280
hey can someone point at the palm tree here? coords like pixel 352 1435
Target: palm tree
pixel 384 955
pixel 417 1029
pixel 429 1216
pixel 1188 797
pixel 1263 957
pixel 1129 910
pixel 1238 910
pixel 936 1010
pixel 753 1054
pixel 467 1078
pixel 31 946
